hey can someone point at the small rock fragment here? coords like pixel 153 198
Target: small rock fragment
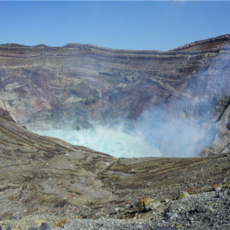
pixel 152 206
pixel 45 226
pixel 217 189
pixel 144 202
pixel 174 216
pixel 182 195
pixel 7 227
pixel 165 228
pixel 33 226
pixel 215 186
pixel 204 208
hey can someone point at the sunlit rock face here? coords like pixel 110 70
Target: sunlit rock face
pixel 69 87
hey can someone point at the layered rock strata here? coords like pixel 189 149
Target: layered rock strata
pixel 207 44
pixel 69 87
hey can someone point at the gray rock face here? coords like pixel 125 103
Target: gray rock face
pixel 6 115
pixel 68 87
pixel 221 143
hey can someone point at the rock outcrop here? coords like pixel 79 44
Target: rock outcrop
pixel 6 115
pixel 207 44
pixel 68 87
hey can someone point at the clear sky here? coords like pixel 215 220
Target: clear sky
pixel 119 25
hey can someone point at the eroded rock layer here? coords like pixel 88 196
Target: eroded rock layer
pixel 68 87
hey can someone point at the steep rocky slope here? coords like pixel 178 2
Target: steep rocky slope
pixel 68 87
pixel 38 171
pixel 47 179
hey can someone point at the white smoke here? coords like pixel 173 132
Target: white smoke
pixel 155 133
pixel 112 140
pixel 149 135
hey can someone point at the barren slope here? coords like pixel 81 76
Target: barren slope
pixel 40 174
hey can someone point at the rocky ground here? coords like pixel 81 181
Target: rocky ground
pixel 208 210
pixel 46 183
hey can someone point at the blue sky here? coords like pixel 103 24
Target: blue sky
pixel 119 25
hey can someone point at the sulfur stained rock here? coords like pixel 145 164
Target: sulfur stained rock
pixel 182 195
pixel 215 186
pixel 62 222
pixel 143 202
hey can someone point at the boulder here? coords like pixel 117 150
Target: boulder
pixel 143 202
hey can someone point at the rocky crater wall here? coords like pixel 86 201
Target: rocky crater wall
pixel 69 87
